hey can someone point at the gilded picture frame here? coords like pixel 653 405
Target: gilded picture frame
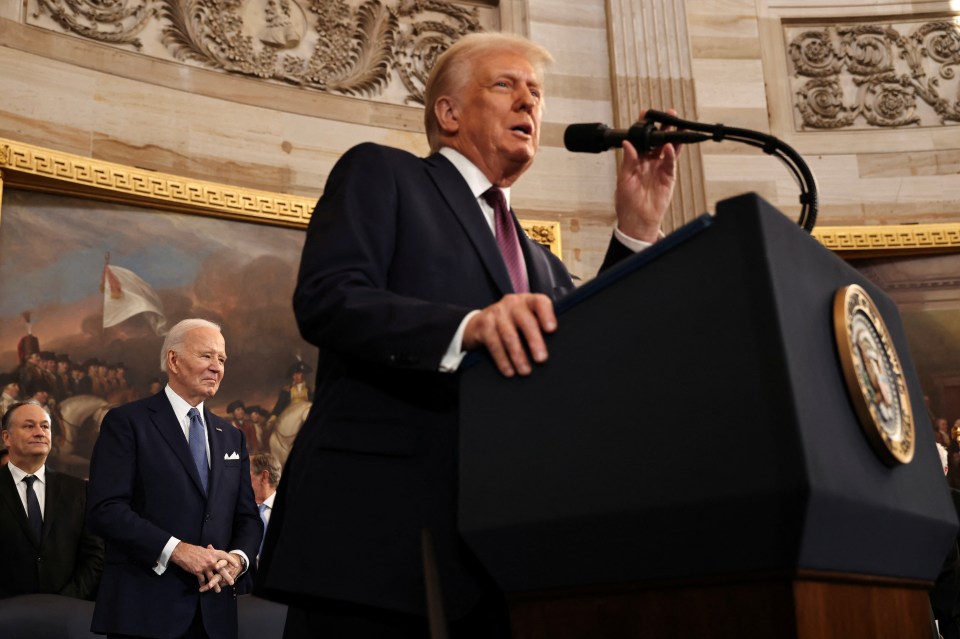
pixel 862 242
pixel 36 168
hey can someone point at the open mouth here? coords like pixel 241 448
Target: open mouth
pixel 526 129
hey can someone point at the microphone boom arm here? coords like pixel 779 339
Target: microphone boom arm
pixel 809 197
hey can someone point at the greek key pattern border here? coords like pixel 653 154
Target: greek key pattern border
pixel 37 168
pixel 903 237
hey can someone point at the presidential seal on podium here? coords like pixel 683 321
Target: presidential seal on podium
pixel 873 375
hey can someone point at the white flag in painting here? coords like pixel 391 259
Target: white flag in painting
pixel 125 294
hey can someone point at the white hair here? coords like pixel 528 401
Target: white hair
pixel 178 335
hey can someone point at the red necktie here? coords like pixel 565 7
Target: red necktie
pixel 507 239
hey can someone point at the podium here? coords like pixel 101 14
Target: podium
pixel 689 463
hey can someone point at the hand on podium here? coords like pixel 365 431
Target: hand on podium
pixel 499 328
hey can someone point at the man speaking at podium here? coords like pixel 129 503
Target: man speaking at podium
pixel 408 264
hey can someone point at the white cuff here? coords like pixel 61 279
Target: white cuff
pixel 161 566
pixel 455 353
pixel 631 243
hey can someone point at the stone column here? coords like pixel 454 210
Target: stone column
pixel 650 67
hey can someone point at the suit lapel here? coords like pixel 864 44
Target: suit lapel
pixel 215 439
pixel 51 507
pixel 11 499
pixel 165 420
pixel 464 206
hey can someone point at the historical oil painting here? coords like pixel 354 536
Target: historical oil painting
pixel 89 289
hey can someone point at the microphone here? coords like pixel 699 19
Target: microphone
pixel 644 136
pixel 596 137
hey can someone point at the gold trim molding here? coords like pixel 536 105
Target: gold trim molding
pixel 39 169
pixel 36 168
pixel 854 242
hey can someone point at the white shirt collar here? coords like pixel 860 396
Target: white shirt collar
pixel 180 406
pixel 475 178
pixel 19 474
pixel 268 502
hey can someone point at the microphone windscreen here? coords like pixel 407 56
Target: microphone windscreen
pixel 586 138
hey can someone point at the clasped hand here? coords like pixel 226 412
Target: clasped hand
pixel 212 567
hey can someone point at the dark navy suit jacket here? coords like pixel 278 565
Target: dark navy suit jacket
pixel 68 559
pixel 145 488
pixel 397 253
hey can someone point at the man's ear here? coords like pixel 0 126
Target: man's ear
pixel 448 115
pixel 172 361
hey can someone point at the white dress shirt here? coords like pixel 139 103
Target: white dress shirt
pixel 268 503
pixel 39 486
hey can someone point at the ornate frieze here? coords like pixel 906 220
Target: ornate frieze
pixel 378 49
pixel 862 76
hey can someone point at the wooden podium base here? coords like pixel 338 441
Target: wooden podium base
pixel 807 606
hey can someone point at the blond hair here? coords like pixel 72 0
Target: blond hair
pixel 452 70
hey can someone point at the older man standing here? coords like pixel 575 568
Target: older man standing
pixel 44 545
pixel 409 263
pixel 264 476
pixel 170 493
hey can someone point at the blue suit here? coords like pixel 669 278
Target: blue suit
pixel 396 254
pixel 145 488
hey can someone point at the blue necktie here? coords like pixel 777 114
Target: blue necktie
pixel 34 518
pixel 198 447
pixel 263 517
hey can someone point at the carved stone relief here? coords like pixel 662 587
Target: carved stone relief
pixel 380 49
pixel 863 76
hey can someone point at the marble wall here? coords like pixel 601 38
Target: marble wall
pixel 714 60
